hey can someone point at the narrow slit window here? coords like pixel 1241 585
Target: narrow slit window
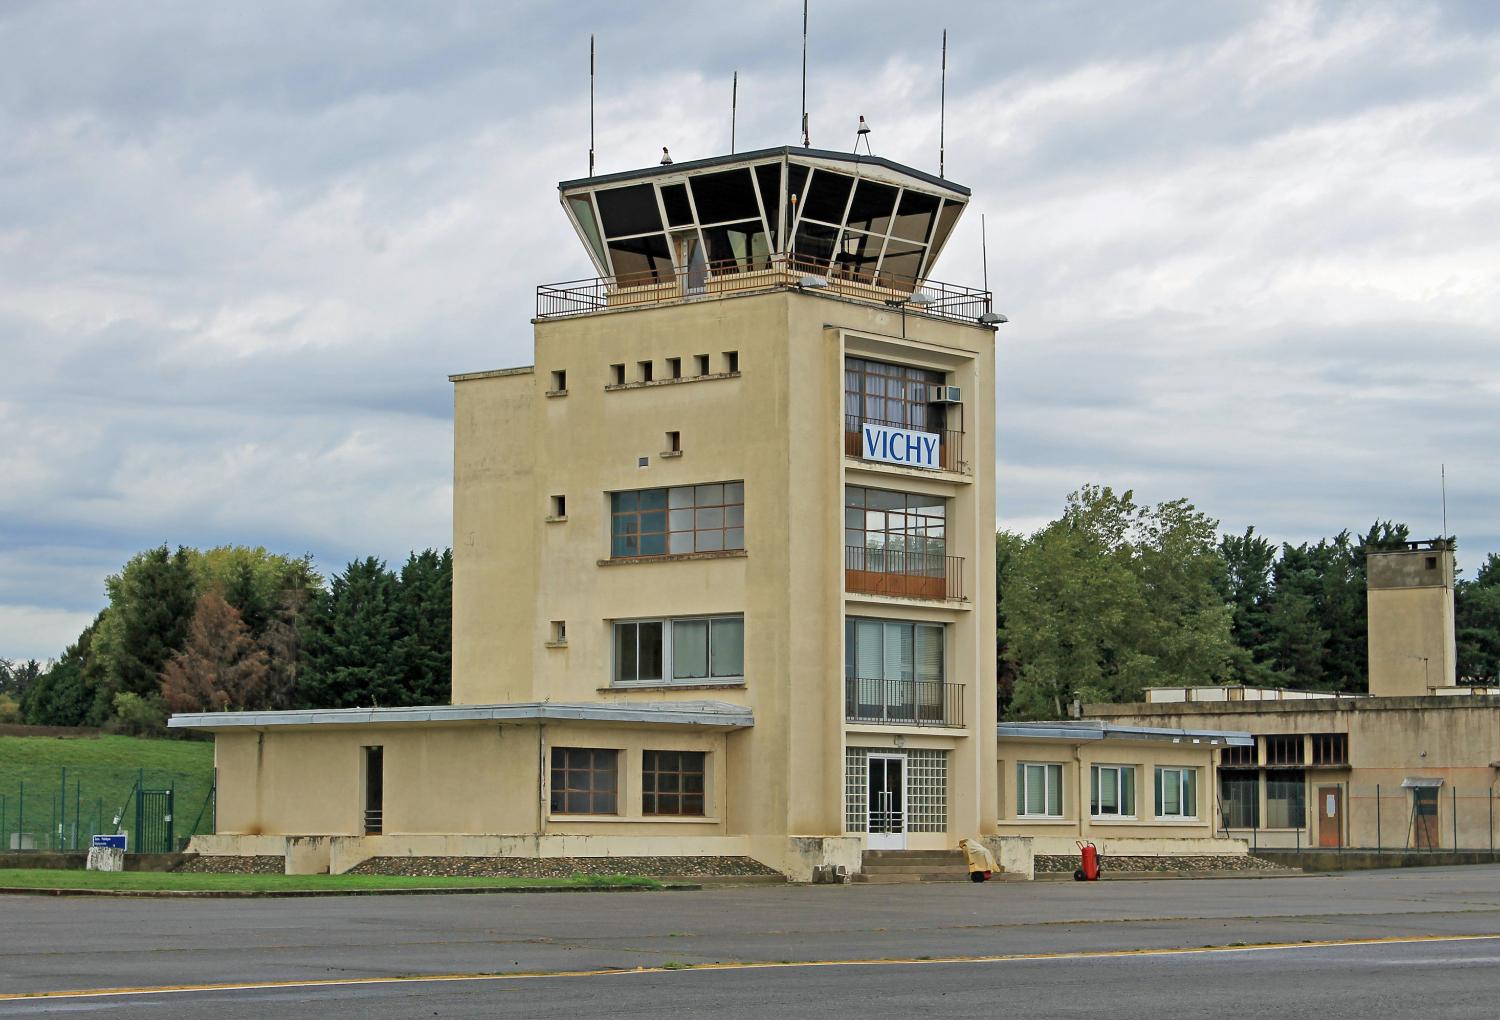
pixel 701 363
pixel 617 374
pixel 674 368
pixel 559 381
pixel 731 361
pixel 643 371
pixel 559 632
pixel 674 442
pixel 559 506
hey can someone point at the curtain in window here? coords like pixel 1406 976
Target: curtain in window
pixel 689 649
pixel 728 648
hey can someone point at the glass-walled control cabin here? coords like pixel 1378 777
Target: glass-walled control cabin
pixel 832 214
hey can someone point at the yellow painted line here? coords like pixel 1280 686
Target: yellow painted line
pixel 1102 954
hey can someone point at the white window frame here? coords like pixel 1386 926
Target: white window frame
pixel 1181 772
pixel 1047 811
pixel 667 679
pixel 1098 771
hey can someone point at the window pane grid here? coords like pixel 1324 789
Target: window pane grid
pixel 673 783
pixel 926 789
pixel 585 781
pixel 1112 791
pixel 682 519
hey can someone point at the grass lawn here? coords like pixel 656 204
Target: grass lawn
pixel 101 772
pixel 37 878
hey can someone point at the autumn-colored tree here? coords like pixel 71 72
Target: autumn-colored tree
pixel 220 667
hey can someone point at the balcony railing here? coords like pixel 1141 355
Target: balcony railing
pixel 903 702
pixel 917 575
pixel 950 441
pixel 673 284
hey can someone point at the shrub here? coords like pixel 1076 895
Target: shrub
pixel 138 716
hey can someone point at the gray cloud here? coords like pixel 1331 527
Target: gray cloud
pixel 1247 249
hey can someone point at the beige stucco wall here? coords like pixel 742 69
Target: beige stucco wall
pixel 1077 760
pixel 1455 740
pixel 777 424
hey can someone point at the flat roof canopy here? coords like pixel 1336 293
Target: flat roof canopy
pixel 1089 730
pixel 704 714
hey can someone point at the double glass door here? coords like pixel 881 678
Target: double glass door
pixel 887 802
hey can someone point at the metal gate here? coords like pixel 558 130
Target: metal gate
pixel 153 822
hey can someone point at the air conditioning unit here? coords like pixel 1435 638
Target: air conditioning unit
pixel 944 395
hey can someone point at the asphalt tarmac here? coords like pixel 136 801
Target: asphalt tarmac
pixel 1391 943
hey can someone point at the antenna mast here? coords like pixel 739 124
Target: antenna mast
pixel 1444 476
pixel 806 141
pixel 734 104
pixel 984 252
pixel 943 107
pixel 591 104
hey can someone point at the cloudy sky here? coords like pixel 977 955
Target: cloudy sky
pixel 1249 250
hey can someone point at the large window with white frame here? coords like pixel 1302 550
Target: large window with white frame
pixel 1112 791
pixel 1176 793
pixel 1038 789
pixel 679 650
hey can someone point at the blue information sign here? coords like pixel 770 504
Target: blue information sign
pixel 112 842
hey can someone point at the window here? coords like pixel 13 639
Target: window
pixel 731 361
pixel 559 506
pixel 1112 791
pixel 643 371
pixel 1038 790
pixel 1243 756
pixel 890 394
pixel 700 362
pixel 585 781
pixel 895 532
pixel 688 650
pixel 1239 798
pixel 1284 750
pixel 559 382
pixel 1286 805
pixel 674 368
pixel 682 519
pixel 892 650
pixel 674 442
pixel 617 374
pixel 1176 793
pixel 672 782
pixel 1330 749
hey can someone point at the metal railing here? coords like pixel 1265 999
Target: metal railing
pixel 903 702
pixel 1383 818
pixel 673 284
pixel 950 441
pixel 875 571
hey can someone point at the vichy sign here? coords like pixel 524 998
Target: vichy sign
pixel 900 446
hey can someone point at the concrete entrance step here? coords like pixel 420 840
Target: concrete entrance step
pixel 899 867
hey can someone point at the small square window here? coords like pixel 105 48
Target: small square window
pixel 674 368
pixel 643 371
pixel 701 363
pixel 674 442
pixel 559 381
pixel 731 361
pixel 1432 563
pixel 559 632
pixel 617 374
pixel 559 506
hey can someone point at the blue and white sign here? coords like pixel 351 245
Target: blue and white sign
pixel 110 842
pixel 901 446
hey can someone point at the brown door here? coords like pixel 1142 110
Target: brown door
pixel 1330 816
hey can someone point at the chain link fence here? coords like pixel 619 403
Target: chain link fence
pixel 1397 817
pixel 158 810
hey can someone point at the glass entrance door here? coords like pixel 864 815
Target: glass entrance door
pixel 887 802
